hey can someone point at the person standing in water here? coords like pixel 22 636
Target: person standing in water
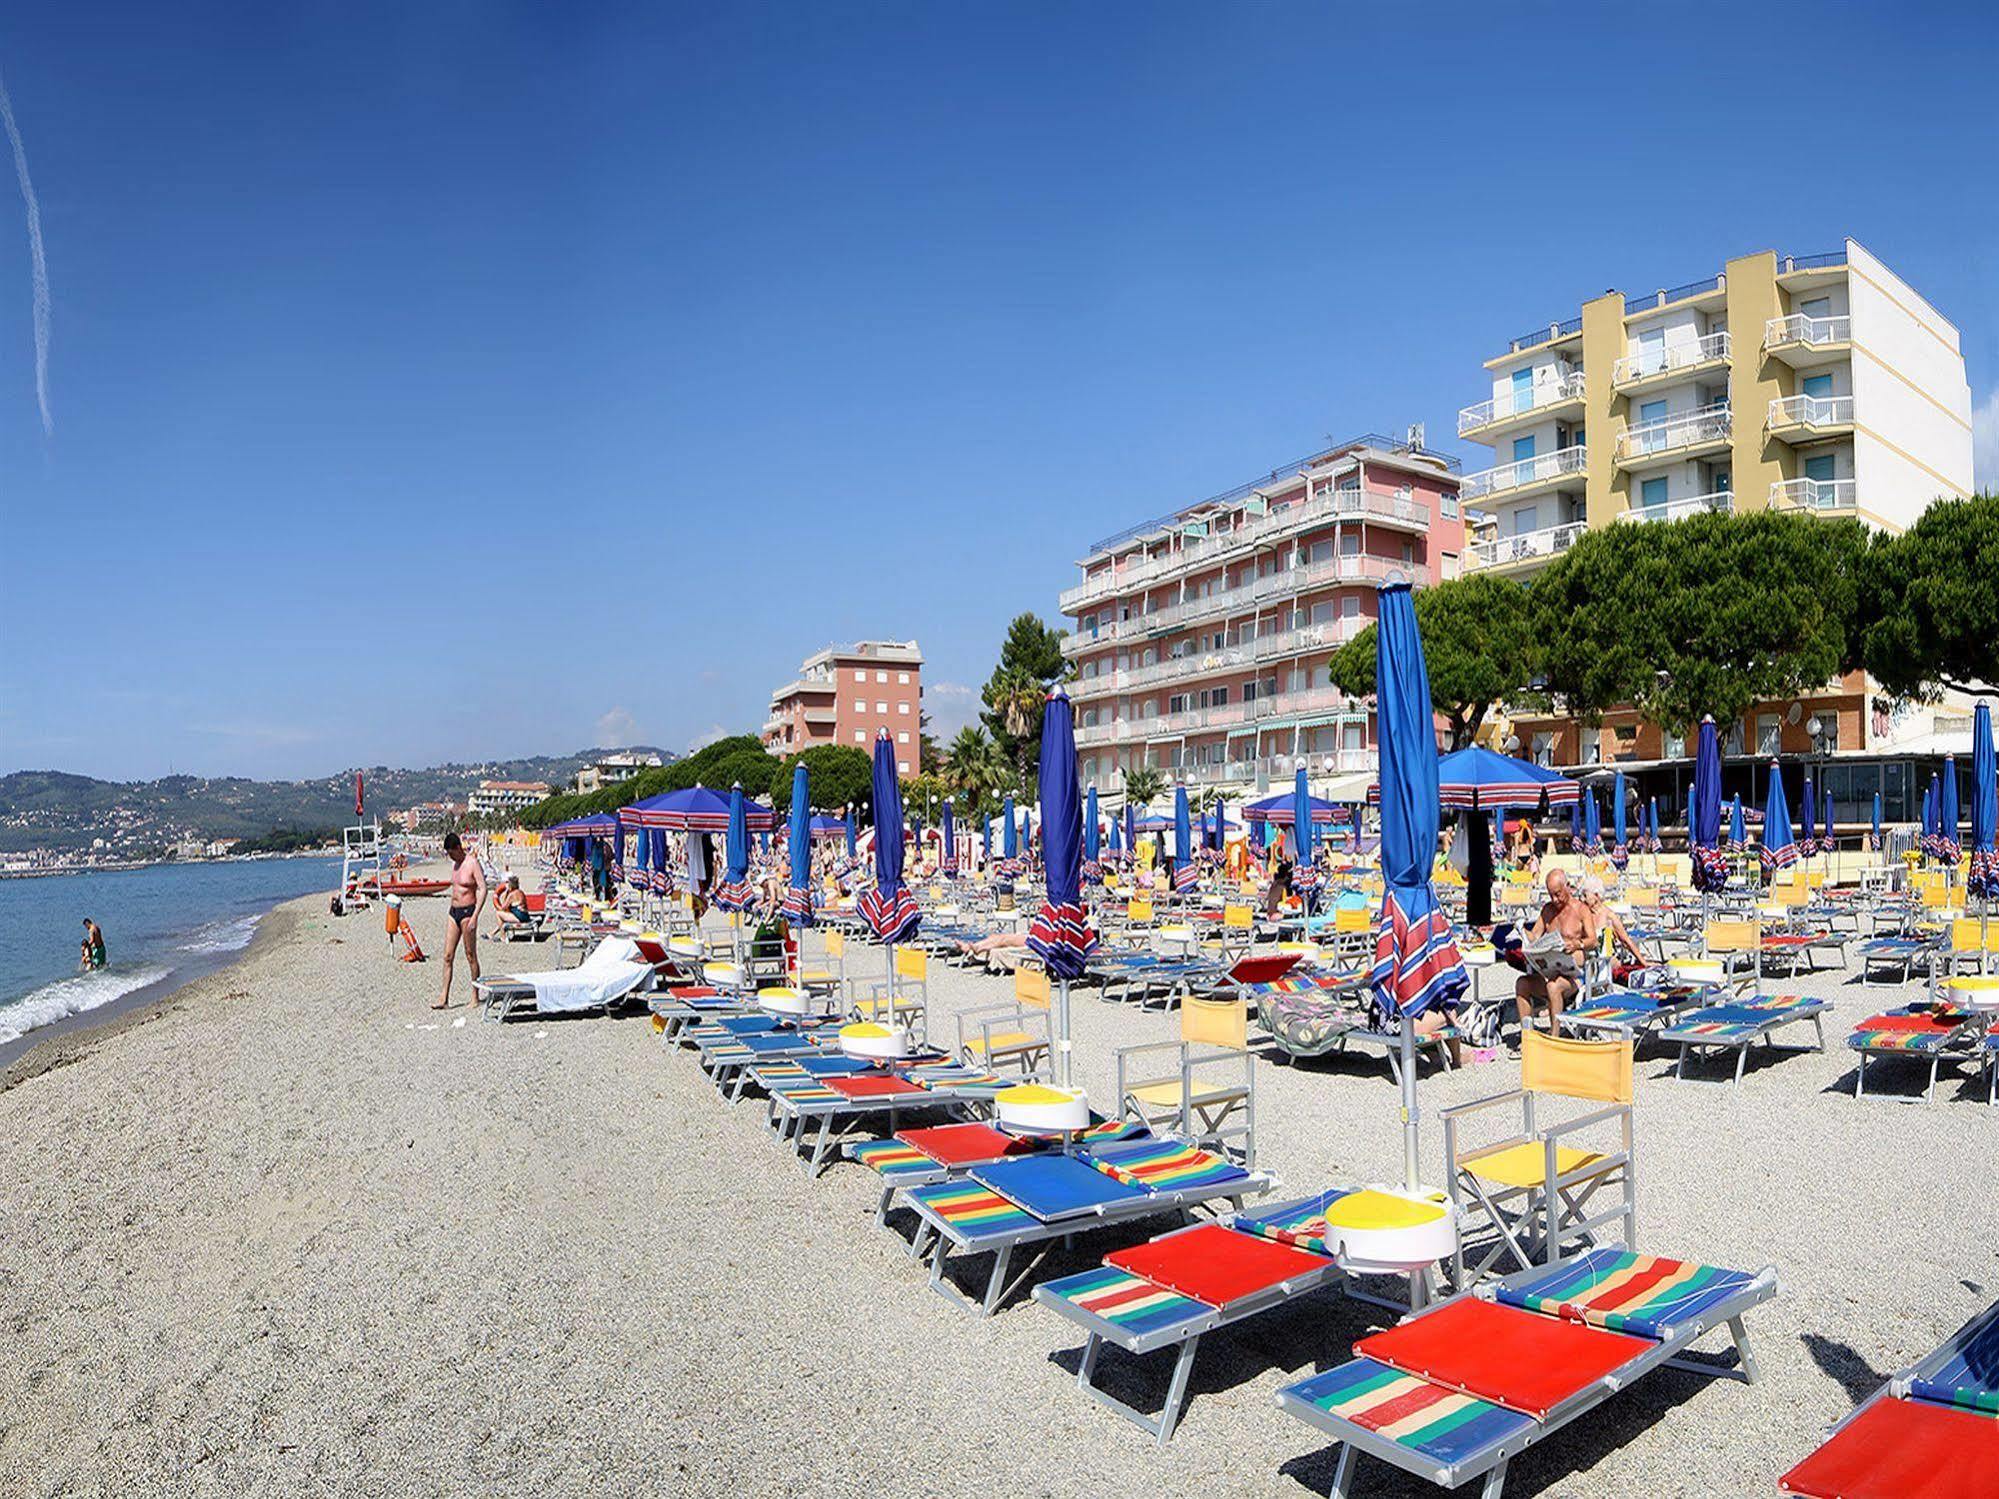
pixel 467 896
pixel 93 946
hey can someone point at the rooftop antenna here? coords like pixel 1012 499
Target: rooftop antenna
pixel 1416 435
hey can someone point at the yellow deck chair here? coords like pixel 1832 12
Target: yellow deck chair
pixel 1738 944
pixel 1535 1187
pixel 1201 1099
pixel 1353 934
pixel 1643 897
pixel 1138 911
pixel 906 990
pixel 1973 945
pixel 831 976
pixel 1009 1034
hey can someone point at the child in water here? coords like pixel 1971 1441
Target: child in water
pixel 93 946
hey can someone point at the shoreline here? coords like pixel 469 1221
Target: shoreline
pixel 72 1037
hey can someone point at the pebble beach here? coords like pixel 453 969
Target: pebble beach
pixel 291 1231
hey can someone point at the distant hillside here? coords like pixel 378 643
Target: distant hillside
pixel 53 809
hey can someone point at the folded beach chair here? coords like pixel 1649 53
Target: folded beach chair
pixel 1456 1392
pixel 1174 1290
pixel 1742 1024
pixel 1921 1032
pixel 1929 1433
pixel 1039 1200
pixel 611 973
pixel 1209 1095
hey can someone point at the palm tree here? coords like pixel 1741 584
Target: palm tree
pixel 976 769
pixel 1142 784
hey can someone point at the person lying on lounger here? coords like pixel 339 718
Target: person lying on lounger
pixel 993 943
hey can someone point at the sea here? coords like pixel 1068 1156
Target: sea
pixel 164 925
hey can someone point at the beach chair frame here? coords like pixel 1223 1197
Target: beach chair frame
pixel 1214 1033
pixel 1696 1047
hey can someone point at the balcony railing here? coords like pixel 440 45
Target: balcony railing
pixel 1811 411
pixel 1821 495
pixel 1567 328
pixel 1273 645
pixel 1567 386
pixel 1667 296
pixel 1536 470
pixel 1720 501
pixel 1526 547
pixel 1283 583
pixel 1642 363
pixel 1689 429
pixel 1813 331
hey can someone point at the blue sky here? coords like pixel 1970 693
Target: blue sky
pixel 445 381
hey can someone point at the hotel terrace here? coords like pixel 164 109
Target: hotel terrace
pixel 845 694
pixel 1200 639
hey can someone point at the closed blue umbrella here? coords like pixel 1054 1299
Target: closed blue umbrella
pixel 1221 836
pixel 1948 847
pixel 1928 842
pixel 1620 853
pixel 1808 838
pixel 889 909
pixel 1826 846
pixel 734 893
pixel 1010 836
pixel 1738 831
pixel 1576 834
pixel 1304 833
pixel 798 898
pixel 1710 867
pixel 1874 838
pixel 1092 838
pixel 1652 838
pixel 1416 964
pixel 1130 831
pixel 950 841
pixel 1061 934
pixel 1184 874
pixel 1779 852
pixel 662 881
pixel 853 851
pixel 1592 825
pixel 1982 878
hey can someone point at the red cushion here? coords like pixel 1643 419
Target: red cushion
pixel 964 1144
pixel 1903 1449
pixel 1519 1359
pixel 537 902
pixel 652 952
pixel 1214 1264
pixel 699 991
pixel 1264 967
pixel 1925 1022
pixel 873 1087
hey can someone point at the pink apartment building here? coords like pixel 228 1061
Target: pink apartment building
pixel 1200 639
pixel 845 694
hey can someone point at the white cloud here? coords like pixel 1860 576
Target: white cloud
pixel 1985 445
pixel 951 705
pixel 616 729
pixel 706 737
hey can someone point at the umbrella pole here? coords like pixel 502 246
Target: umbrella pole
pixel 1062 1044
pixel 891 984
pixel 1410 1118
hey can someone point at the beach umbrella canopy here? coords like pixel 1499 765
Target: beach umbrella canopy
pixel 950 840
pixel 1010 834
pixel 889 909
pixel 1281 810
pixel 1592 824
pixel 1620 851
pixel 1948 848
pixel 733 894
pixel 1738 833
pixel 798 897
pixel 1475 778
pixel 1092 835
pixel 696 809
pixel 1710 868
pixel 1874 838
pixel 1808 838
pixel 1061 934
pixel 828 827
pixel 1982 878
pixel 1183 842
pixel 1779 852
pixel 1416 964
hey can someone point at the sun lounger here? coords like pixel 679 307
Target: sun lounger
pixel 838 1103
pixel 1742 1024
pixel 1636 1014
pixel 1787 952
pixel 1929 1433
pixel 1932 1033
pixel 921 1157
pixel 1897 958
pixel 1456 1392
pixel 1033 1202
pixel 1309 1012
pixel 610 974
pixel 1171 1292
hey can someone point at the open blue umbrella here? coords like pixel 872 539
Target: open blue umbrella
pixel 798 897
pixel 734 892
pixel 1476 778
pixel 1808 838
pixel 1061 934
pixel 1281 810
pixel 1779 851
pixel 1184 873
pixel 950 864
pixel 889 909
pixel 1874 838
pixel 1092 837
pixel 1620 853
pixel 1948 847
pixel 1416 964
pixel 696 809
pixel 1710 865
pixel 1981 879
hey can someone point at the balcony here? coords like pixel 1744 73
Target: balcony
pixel 1644 366
pixel 1528 548
pixel 1285 583
pixel 1524 474
pixel 1820 496
pixel 1274 645
pixel 1564 390
pixel 1801 419
pixel 1676 436
pixel 1802 341
pixel 1720 502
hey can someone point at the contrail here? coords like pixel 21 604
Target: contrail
pixel 41 264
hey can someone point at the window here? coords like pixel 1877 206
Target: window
pixel 1817 386
pixel 1525 519
pixel 1816 307
pixel 1651 411
pixel 902 767
pixel 1769 733
pixel 1651 351
pixel 903 709
pixel 1523 449
pixel 903 737
pixel 902 677
pixel 1820 467
pixel 1349 606
pixel 881 676
pixel 1408 552
pixel 1448 503
pixel 882 708
pixel 1652 492
pixel 860 676
pixel 860 705
pixel 1523 393
pixel 1349 545
pixel 860 736
pixel 1676 746
pixel 1220 698
pixel 1544 748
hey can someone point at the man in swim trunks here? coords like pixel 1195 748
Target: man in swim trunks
pixel 468 894
pixel 1565 915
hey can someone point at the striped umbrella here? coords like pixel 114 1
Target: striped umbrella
pixel 889 909
pixel 798 897
pixel 1092 839
pixel 1620 853
pixel 1826 846
pixel 734 892
pixel 1808 840
pixel 1738 831
pixel 1779 851
pixel 1130 831
pixel 1061 934
pixel 1184 873
pixel 1652 838
pixel 1592 825
pixel 988 855
pixel 1009 840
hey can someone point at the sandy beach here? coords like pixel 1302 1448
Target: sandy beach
pixel 289 1231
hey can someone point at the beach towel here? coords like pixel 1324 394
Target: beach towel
pixel 612 971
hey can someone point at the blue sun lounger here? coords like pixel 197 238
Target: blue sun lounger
pixel 1636 1014
pixel 1457 1391
pixel 924 1157
pixel 1033 1202
pixel 1744 1023
pixel 839 1102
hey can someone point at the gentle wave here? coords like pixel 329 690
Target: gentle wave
pixel 222 936
pixel 73 996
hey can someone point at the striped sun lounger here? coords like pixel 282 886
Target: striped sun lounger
pixel 1635 1014
pixel 1922 1033
pixel 921 1157
pixel 835 1104
pixel 1458 1391
pixel 1929 1433
pixel 1036 1201
pixel 1741 1024
pixel 1896 958
pixel 1177 1288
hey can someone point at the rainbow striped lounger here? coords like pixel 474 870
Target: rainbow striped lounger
pixel 922 1157
pixel 1182 1285
pixel 1898 957
pixel 727 1058
pixel 1456 1392
pixel 1743 1023
pixel 1931 1432
pixel 838 1103
pixel 1033 1202
pixel 1932 1033
pixel 1636 1014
